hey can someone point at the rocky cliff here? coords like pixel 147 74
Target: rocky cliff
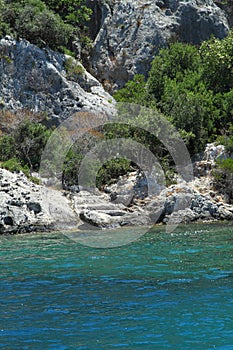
pixel 46 81
pixel 131 33
pixel 127 35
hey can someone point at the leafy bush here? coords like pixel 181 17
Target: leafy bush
pixel 71 11
pixel 226 165
pixel 173 62
pixel 134 90
pixel 71 167
pixel 217 60
pixel 23 148
pixel 30 140
pixel 192 87
pixel 42 27
pixel 7 147
pixel 223 175
pixel 14 165
pixel 51 23
pixel 112 169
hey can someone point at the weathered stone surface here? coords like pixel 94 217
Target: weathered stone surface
pixel 212 152
pixel 38 80
pixel 26 207
pixel 98 219
pixel 227 7
pixel 182 203
pixel 131 33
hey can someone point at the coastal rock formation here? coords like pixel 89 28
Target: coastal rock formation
pixel 131 33
pixel 204 166
pixel 47 81
pixel 183 203
pixel 26 207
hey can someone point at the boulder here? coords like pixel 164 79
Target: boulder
pixel 26 207
pixel 98 219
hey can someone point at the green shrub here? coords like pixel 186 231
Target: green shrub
pixel 112 169
pixel 71 167
pixel 134 91
pixel 25 144
pixel 225 165
pixel 30 139
pixel 74 12
pixel 41 26
pixel 73 68
pixel 45 23
pixel 14 165
pixel 174 62
pixel 7 147
pixel 217 61
pixel 223 175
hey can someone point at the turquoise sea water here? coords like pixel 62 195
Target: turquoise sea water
pixel 164 291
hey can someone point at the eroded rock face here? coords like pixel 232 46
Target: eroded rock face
pixel 46 81
pixel 212 152
pixel 227 7
pixel 132 32
pixel 26 207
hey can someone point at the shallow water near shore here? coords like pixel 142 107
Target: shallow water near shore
pixel 164 291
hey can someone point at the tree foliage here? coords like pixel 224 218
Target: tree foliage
pixel 192 87
pixel 217 61
pixel 45 23
pixel 25 144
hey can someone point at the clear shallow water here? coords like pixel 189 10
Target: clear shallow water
pixel 165 291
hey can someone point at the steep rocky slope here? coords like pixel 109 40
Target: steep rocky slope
pixel 43 80
pixel 131 33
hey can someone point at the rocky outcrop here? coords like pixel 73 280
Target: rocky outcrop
pixel 182 203
pixel 131 33
pixel 204 166
pixel 227 7
pixel 45 81
pixel 26 207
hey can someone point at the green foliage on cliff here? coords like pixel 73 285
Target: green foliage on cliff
pixel 23 148
pixel 192 87
pixel 44 23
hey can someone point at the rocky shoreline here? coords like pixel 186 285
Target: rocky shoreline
pixel 27 207
pixel 126 37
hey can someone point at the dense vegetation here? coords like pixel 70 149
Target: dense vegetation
pixel 22 146
pixel 45 23
pixel 193 87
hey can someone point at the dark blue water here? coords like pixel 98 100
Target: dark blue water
pixel 165 291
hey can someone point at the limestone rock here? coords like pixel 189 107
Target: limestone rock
pixel 47 81
pixel 98 219
pixel 131 33
pixel 26 207
pixel 211 153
